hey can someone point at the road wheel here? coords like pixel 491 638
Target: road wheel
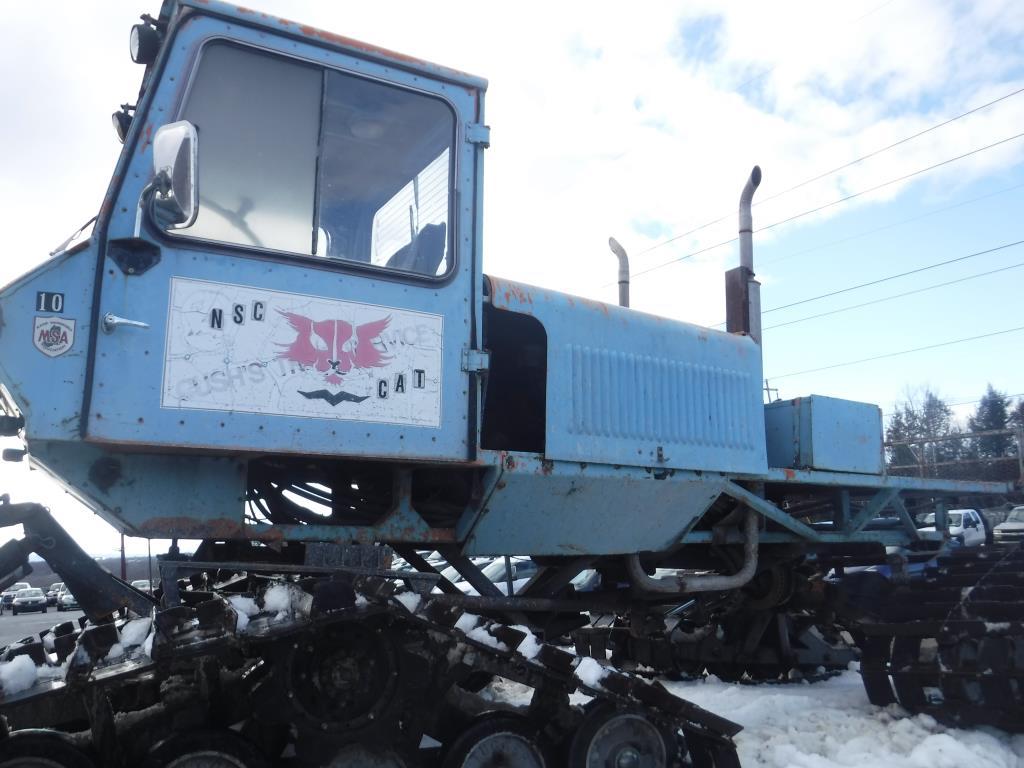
pixel 41 749
pixel 620 738
pixel 205 749
pixel 499 740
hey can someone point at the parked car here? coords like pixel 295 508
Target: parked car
pixel 27 600
pixel 523 569
pixel 66 601
pixel 53 591
pixel 8 595
pixel 1011 530
pixel 965 526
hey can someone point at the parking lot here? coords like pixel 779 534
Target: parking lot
pixel 13 628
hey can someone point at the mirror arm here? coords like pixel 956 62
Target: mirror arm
pixel 159 183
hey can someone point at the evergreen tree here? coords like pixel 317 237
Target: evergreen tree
pixel 993 413
pixel 1017 415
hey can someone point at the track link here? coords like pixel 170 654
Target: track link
pixel 353 666
pixel 950 644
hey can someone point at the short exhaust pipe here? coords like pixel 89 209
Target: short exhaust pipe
pixel 619 251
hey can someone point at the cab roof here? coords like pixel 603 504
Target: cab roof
pixel 247 16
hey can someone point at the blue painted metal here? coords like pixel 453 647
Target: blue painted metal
pixel 282 27
pixel 48 390
pixel 132 414
pixel 546 507
pixel 625 387
pixel 824 433
pixel 771 512
pixel 920 485
pixel 873 508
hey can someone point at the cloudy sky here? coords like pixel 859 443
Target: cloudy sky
pixel 642 121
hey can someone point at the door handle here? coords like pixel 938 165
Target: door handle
pixel 112 321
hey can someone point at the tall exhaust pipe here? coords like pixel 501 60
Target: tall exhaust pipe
pixel 742 291
pixel 619 251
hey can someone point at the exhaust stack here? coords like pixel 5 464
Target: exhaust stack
pixel 742 291
pixel 619 251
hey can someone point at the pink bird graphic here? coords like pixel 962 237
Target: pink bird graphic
pixel 334 347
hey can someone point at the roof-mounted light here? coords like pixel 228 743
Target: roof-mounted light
pixel 122 120
pixel 144 44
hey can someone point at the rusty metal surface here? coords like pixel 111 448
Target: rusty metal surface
pixel 339 42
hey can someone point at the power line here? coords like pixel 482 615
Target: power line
pixel 879 281
pixel 833 203
pixel 842 167
pixel 895 296
pixel 897 354
pixel 891 225
pixel 893 277
pixel 890 182
pixel 895 144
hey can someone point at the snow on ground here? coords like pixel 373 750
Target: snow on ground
pixel 831 724
pixel 828 725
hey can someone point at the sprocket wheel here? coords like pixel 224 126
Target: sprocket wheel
pixel 499 741
pixel 344 680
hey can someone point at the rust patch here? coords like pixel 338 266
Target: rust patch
pixel 547 467
pixel 789 473
pixel 147 138
pixel 600 306
pixel 243 9
pixel 348 42
pixel 217 528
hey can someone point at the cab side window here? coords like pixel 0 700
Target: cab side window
pixel 385 176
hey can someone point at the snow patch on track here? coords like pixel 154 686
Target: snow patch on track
pixel 18 674
pixel 831 724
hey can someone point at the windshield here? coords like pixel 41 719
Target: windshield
pixel 1016 515
pixel 30 593
pixel 18 587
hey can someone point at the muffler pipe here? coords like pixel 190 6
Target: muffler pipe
pixel 619 251
pixel 742 291
pixel 712 582
pixel 747 219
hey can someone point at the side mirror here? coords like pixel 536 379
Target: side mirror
pixel 176 187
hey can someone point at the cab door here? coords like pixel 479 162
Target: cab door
pixel 321 299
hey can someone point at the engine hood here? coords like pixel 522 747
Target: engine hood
pixel 625 387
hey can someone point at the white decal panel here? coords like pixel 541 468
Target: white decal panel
pixel 236 348
pixel 53 336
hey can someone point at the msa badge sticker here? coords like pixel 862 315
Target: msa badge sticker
pixel 53 336
pixel 236 348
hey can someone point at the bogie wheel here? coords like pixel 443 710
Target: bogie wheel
pixel 499 741
pixel 612 738
pixel 205 749
pixel 41 749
